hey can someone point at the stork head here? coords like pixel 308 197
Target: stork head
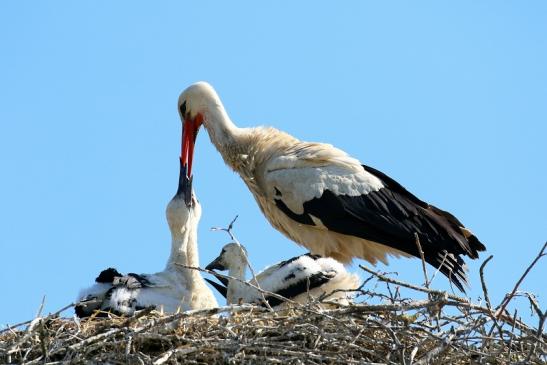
pixel 232 256
pixel 194 102
pixel 183 211
pixel 200 105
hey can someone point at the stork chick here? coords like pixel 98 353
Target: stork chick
pixel 175 288
pixel 299 279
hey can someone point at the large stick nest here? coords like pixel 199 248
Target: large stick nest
pixel 389 329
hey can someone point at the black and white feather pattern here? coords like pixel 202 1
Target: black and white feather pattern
pixel 112 292
pixel 392 216
pixel 297 279
pixel 325 200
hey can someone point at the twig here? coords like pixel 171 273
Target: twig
pixel 483 283
pixel 508 298
pixel 533 303
pixel 539 335
pixel 411 286
pixel 233 237
pixel 167 355
pixel 487 299
pixel 55 314
pixel 461 301
pixel 39 312
pixel 438 270
pixel 510 344
pixel 424 269
pixel 431 354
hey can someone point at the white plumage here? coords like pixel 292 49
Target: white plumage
pixel 173 289
pixel 325 200
pixel 299 279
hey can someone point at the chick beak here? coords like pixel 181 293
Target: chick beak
pixel 216 264
pixel 185 185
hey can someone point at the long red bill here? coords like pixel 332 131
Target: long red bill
pixel 189 134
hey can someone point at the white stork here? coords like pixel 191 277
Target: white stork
pixel 299 278
pixel 325 200
pixel 175 288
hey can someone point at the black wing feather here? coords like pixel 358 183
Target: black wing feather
pixel 107 276
pixel 391 216
pixel 87 306
pixel 220 288
pixel 300 287
pixel 286 262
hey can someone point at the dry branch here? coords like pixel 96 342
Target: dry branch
pixel 510 296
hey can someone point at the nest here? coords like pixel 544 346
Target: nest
pixel 389 329
pixel 386 325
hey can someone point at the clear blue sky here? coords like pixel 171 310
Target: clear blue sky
pixel 449 99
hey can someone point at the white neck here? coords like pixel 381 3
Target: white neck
pixel 224 134
pixel 184 251
pixel 236 287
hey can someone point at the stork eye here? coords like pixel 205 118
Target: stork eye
pixel 183 109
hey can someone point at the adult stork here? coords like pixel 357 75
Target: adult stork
pixel 300 279
pixel 323 199
pixel 176 287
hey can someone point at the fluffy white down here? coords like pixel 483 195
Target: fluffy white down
pixel 95 292
pixel 126 301
pixel 175 288
pixel 167 291
pixel 273 278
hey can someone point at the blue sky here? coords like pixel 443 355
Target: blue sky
pixel 449 99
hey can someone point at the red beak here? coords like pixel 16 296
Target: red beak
pixel 189 133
